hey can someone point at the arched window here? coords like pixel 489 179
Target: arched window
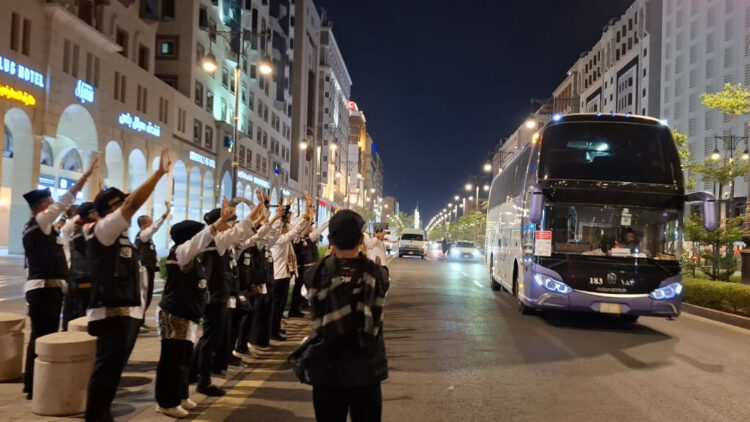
pixel 72 161
pixel 46 158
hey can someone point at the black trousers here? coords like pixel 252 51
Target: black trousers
pixel 296 303
pixel 226 341
pixel 279 295
pixel 260 326
pixel 363 404
pixel 243 328
pixel 44 312
pixel 115 339
pixel 76 301
pixel 205 351
pixel 150 292
pixel 172 372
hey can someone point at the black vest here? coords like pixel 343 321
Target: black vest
pixel 221 273
pixel 186 291
pixel 147 253
pixel 262 264
pixel 79 266
pixel 245 268
pixel 45 256
pixel 306 251
pixel 114 272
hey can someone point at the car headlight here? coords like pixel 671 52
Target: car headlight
pixel 476 253
pixel 667 292
pixel 455 252
pixel 551 284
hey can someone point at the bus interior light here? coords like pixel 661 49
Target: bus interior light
pixel 667 292
pixel 551 284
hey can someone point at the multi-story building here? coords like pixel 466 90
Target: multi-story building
pixel 566 98
pixel 705 44
pixel 80 83
pixel 199 29
pixel 390 207
pixel 356 156
pixel 334 88
pixel 620 74
pixel 306 24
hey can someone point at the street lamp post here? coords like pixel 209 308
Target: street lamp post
pixel 210 65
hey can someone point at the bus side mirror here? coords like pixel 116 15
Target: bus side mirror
pixel 536 204
pixel 710 221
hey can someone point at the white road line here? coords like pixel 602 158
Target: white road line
pixel 464 274
pixel 477 283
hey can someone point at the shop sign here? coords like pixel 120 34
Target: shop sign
pixel 21 72
pixel 245 176
pixel 84 92
pixel 202 159
pixel 286 192
pixel 261 182
pixel 135 123
pixel 7 91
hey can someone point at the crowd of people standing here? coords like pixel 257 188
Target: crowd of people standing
pixel 226 279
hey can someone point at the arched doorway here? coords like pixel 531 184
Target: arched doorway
pixel 17 177
pixel 208 194
pixel 73 147
pixel 226 188
pixel 137 174
pixel 114 170
pixel 194 194
pixel 160 195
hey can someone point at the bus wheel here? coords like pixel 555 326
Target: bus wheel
pixel 522 308
pixel 494 285
pixel 629 319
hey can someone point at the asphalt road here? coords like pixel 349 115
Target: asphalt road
pixel 461 352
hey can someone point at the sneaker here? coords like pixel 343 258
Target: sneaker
pixel 175 412
pixel 188 404
pixel 211 390
pixel 244 355
pixel 278 337
pixel 258 347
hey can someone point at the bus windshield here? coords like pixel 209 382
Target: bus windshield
pixel 603 230
pixel 606 151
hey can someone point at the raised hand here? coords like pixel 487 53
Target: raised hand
pixel 168 207
pixel 94 165
pixel 165 163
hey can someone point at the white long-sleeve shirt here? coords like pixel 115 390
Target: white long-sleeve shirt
pixel 107 231
pixel 315 234
pixel 45 220
pixel 146 234
pixel 234 236
pixel 66 234
pixel 281 248
pixel 375 249
pixel 187 251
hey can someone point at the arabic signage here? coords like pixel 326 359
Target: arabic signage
pixel 7 91
pixel 202 159
pixel 84 92
pixel 135 123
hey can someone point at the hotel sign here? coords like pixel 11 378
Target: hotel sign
pixel 7 91
pixel 201 159
pixel 21 72
pixel 138 125
pixel 84 92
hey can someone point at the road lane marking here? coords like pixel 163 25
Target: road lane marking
pixel 478 284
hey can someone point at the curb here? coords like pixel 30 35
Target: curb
pixel 712 314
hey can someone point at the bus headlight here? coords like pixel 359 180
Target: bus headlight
pixel 551 284
pixel 666 292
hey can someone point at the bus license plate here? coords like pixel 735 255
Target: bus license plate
pixel 610 308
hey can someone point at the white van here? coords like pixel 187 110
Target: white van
pixel 411 243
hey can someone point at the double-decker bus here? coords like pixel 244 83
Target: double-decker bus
pixel 588 217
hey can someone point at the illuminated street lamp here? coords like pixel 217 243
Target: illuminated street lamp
pixel 303 145
pixel 265 67
pixel 716 155
pixel 209 63
pixel 530 124
pixel 486 188
pixel 488 167
pixel 745 154
pixel 468 187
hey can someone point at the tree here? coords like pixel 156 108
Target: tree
pixel 732 100
pixel 401 221
pixel 683 148
pixel 710 262
pixel 469 227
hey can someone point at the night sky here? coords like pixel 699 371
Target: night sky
pixel 441 82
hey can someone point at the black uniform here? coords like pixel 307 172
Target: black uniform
pixel 262 267
pixel 47 270
pixel 79 283
pixel 149 260
pixel 220 278
pixel 307 256
pixel 231 322
pixel 247 292
pixel 183 301
pixel 116 287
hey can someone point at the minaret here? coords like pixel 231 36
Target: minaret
pixel 417 223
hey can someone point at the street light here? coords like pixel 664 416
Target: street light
pixel 456 198
pixel 468 187
pixel 486 188
pixel 530 124
pixel 716 155
pixel 264 66
pixel 209 63
pixel 745 154
pixel 303 145
pixel 487 167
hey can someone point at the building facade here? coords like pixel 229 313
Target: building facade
pixel 705 44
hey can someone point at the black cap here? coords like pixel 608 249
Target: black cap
pixel 36 195
pixel 184 231
pixel 214 214
pixel 345 229
pixel 107 199
pixel 84 210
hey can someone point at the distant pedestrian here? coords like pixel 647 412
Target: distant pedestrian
pixel 376 248
pixel 147 251
pixel 118 294
pixel 46 266
pixel 347 296
pixel 445 245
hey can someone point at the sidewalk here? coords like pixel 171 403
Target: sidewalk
pixel 135 397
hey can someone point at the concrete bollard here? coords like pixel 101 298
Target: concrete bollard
pixel 79 325
pixel 61 373
pixel 11 346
